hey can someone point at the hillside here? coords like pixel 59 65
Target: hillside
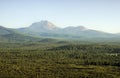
pixel 9 35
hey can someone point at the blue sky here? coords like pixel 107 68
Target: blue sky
pixel 101 15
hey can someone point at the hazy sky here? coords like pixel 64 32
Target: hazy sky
pixel 102 15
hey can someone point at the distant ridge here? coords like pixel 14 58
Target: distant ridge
pixel 48 29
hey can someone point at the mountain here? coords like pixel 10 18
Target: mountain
pixel 44 30
pixel 9 35
pixel 50 30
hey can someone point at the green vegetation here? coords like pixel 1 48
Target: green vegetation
pixel 59 60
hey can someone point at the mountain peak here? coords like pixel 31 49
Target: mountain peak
pixel 81 28
pixel 43 24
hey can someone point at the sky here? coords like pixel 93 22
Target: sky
pixel 103 15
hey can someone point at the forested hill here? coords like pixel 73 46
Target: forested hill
pixel 10 35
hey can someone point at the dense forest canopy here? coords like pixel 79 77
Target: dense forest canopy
pixel 59 60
